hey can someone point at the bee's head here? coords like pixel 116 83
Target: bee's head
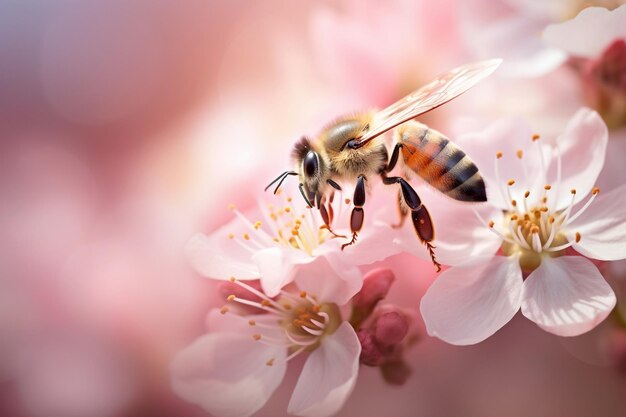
pixel 312 169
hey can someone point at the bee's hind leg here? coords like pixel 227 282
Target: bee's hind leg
pixel 402 210
pixel 358 215
pixel 422 222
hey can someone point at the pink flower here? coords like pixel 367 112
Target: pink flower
pixel 233 370
pixel 589 33
pixel 543 213
pixel 290 241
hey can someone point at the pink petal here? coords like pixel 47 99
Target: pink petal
pixel 276 269
pixel 567 296
pixel 466 305
pixel 329 278
pixel 226 374
pixel 507 136
pixel 328 376
pixel 602 227
pixel 589 33
pixel 218 257
pixel 583 147
pixel 492 34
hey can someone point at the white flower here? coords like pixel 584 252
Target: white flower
pixel 290 240
pixel 543 215
pixel 233 370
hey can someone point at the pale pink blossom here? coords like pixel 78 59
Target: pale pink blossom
pixel 283 239
pixel 589 33
pixel 547 213
pixel 234 370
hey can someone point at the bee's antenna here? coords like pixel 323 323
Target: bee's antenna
pixel 280 178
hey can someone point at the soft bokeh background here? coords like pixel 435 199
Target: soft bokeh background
pixel 126 126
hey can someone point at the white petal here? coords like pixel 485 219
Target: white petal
pixel 507 136
pixel 589 33
pixel 328 376
pixel 583 147
pixel 602 227
pixel 466 305
pixel 226 374
pixel 567 296
pixel 276 269
pixel 218 257
pixel 330 278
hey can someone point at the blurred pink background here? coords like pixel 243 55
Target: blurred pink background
pixel 125 127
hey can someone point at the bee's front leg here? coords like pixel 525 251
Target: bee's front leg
pixel 358 215
pixel 328 213
pixel 422 222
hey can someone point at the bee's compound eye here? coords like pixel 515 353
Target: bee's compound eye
pixel 311 164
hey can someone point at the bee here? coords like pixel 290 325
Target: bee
pixel 353 149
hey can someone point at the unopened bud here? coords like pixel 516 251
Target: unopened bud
pixel 391 328
pixel 376 285
pixel 370 352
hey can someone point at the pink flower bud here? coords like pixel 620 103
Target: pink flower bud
pixel 391 328
pixel 376 285
pixel 370 352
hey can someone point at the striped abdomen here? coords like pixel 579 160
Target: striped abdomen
pixel 440 162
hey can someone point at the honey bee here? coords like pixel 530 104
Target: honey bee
pixel 353 149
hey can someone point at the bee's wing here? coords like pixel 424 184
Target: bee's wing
pixel 439 91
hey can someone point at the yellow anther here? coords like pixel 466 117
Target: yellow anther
pixel 347 201
pixel 511 182
pixel 277 240
pixel 499 154
pixel 265 303
pixel 231 236
pixel 315 309
pixel 257 225
pixel 224 310
pixel 232 206
pixel 519 153
pixel 535 137
pixel 491 223
pixel 289 199
pixel 231 297
pixel 256 336
pixel 287 209
pixel 573 191
pixel 547 187
pixel 514 203
pixel 303 294
pixel 514 217
pixel 595 191
pixel 526 194
pixel 270 362
pixel 578 237
pixel 252 322
pixel 231 279
pixel 246 236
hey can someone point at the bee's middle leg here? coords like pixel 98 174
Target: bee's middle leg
pixel 422 221
pixel 358 215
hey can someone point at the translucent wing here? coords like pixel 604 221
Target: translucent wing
pixel 439 91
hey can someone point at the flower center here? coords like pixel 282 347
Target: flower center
pixel 297 322
pixel 534 232
pixel 286 227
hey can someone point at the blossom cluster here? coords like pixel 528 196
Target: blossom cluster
pixel 539 244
